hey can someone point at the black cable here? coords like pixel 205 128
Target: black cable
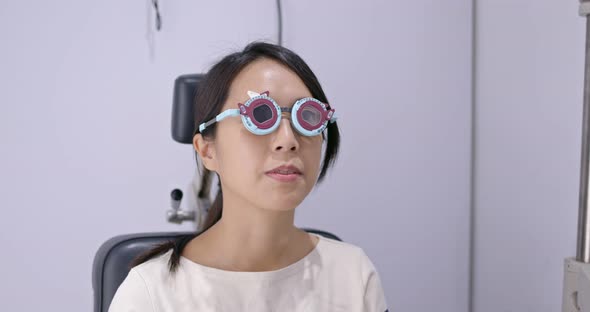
pixel 158 17
pixel 280 16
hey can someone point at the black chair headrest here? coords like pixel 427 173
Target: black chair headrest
pixel 183 118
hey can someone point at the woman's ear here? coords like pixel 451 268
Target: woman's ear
pixel 206 150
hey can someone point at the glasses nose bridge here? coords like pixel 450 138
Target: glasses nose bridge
pixel 286 113
pixel 285 110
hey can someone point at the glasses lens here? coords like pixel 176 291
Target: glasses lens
pixel 311 115
pixel 262 113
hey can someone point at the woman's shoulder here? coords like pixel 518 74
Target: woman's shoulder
pixel 352 259
pixel 343 253
pixel 134 292
pixel 157 266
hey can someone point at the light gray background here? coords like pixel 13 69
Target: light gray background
pixel 529 77
pixel 86 150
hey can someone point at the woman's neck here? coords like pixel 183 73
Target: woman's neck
pixel 251 239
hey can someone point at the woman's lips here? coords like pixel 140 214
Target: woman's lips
pixel 281 177
pixel 285 173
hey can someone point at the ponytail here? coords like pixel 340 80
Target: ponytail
pixel 177 245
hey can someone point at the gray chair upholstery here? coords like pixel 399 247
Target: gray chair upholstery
pixel 113 260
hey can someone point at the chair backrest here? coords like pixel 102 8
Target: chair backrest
pixel 183 120
pixel 112 261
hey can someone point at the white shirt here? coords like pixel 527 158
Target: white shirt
pixel 335 276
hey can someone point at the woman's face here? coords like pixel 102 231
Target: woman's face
pixel 245 161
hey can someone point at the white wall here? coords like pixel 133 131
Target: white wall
pixel 528 117
pixel 86 151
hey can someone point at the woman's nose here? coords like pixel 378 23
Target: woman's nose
pixel 285 137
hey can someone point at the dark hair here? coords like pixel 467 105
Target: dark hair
pixel 211 96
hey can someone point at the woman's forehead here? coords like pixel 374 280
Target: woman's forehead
pixel 264 75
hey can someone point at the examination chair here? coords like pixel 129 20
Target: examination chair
pixel 112 260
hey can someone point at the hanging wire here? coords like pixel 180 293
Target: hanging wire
pixel 158 17
pixel 280 17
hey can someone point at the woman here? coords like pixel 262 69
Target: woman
pixel 262 123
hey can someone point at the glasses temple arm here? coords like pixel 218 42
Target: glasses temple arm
pixel 228 113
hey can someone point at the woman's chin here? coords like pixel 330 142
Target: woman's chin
pixel 282 205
